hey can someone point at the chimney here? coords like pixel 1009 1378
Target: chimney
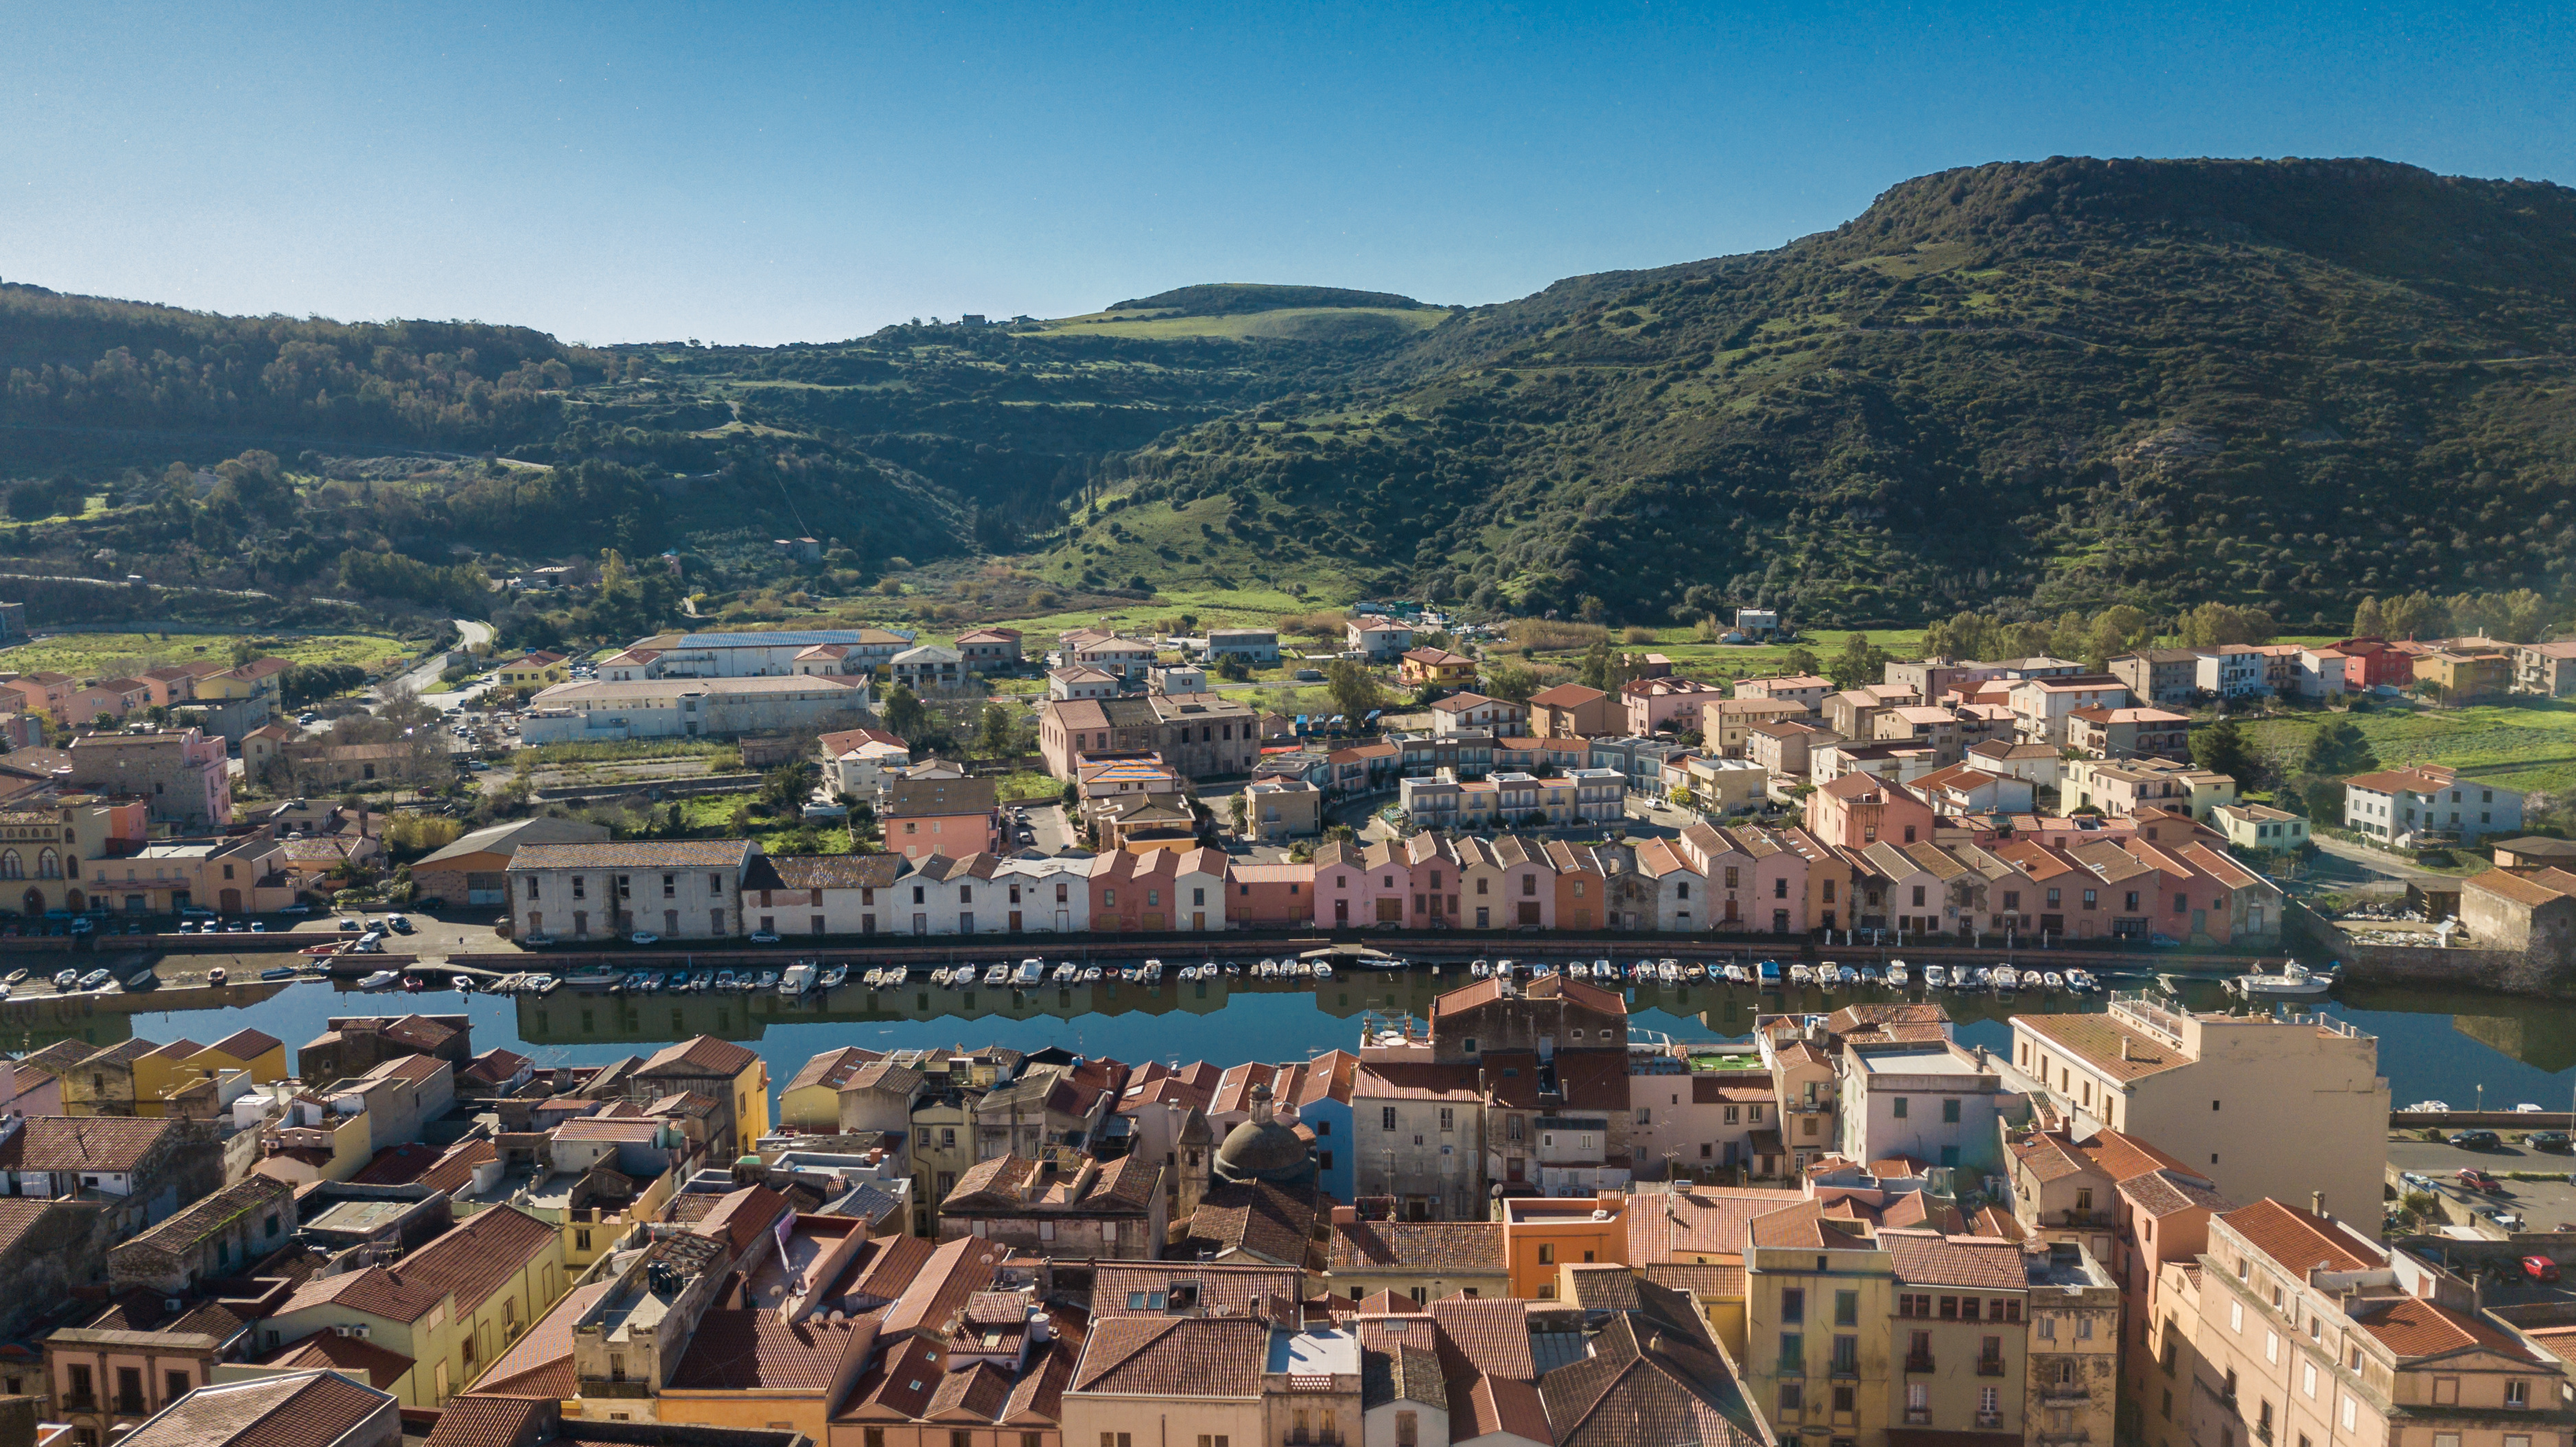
pixel 1346 1215
pixel 2124 1047
pixel 2316 1203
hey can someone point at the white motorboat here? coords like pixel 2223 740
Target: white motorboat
pixel 1030 972
pixel 798 978
pixel 997 975
pixel 2053 980
pixel 1800 974
pixel 2295 982
pixel 1934 976
pixel 1896 973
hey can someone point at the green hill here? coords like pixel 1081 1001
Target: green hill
pixel 1230 298
pixel 2026 386
pixel 2285 383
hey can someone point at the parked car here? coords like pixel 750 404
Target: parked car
pixel 537 941
pixel 398 924
pixel 350 926
pixel 2506 1219
pixel 299 907
pixel 2547 1140
pixel 2540 1269
pixel 644 937
pixel 2476 1140
pixel 2478 1180
pixel 764 937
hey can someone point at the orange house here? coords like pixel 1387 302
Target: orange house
pixel 1542 1233
pixel 1580 898
pixel 1858 810
pixel 1270 896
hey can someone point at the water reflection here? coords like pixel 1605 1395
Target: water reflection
pixel 2517 1049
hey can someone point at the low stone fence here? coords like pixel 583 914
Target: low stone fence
pixel 650 788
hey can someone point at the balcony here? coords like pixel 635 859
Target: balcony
pixel 1918 1363
pixel 1301 1437
pixel 1989 1367
pixel 1918 1416
pixel 2263 1432
pixel 131 1407
pixel 1990 1420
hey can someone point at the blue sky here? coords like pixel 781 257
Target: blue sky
pixel 778 173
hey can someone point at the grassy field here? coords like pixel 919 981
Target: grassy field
pixel 2524 745
pixel 102 654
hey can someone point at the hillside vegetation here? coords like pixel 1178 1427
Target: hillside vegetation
pixel 2036 385
pixel 2021 388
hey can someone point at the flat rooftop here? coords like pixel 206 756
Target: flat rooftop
pixel 1920 1062
pixel 359 1217
pixel 1314 1353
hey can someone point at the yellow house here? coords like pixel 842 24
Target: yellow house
pixel 812 1099
pixel 249 680
pixel 722 1072
pixel 453 1306
pixel 172 1069
pixel 535 670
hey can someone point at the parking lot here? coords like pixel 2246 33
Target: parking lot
pixel 2542 1203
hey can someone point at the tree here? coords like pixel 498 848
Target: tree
pixel 1511 682
pixel 2366 622
pixel 1802 662
pixel 2221 748
pixel 786 788
pixel 905 714
pixel 1355 690
pixel 1860 662
pixel 2336 749
pixel 995 735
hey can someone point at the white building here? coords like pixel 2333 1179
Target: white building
pixel 861 762
pixel 930 668
pixel 612 711
pixel 1934 1102
pixel 2427 802
pixel 1258 647
pixel 676 888
pixel 1046 894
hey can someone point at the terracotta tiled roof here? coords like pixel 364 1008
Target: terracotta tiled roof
pixel 2414 1327
pixel 1723 1283
pixel 485 1422
pixel 1258 1218
pixel 1495 1403
pixel 1699 1221
pixel 1416 1082
pixel 2298 1240
pixel 741 1351
pixel 331 1351
pixel 1430 1247
pixel 539 1364
pixel 2162 1193
pixel 454 1170
pixel 700 1055
pixel 1123 1288
pixel 831 1068
pixel 1208 1356
pixel 301 1410
pixel 67 1143
pixel 1487 1335
pixel 1402 1374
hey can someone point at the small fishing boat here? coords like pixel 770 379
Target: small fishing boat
pixel 1934 976
pixel 379 980
pixel 1090 973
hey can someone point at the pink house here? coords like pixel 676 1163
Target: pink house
pixel 1358 888
pixel 1432 864
pixel 1652 702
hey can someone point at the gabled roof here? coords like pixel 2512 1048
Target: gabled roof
pixel 2299 1240
pixel 300 1409
pixel 700 1055
pixel 1434 1248
pixel 1207 1356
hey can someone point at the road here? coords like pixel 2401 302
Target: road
pixel 2381 864
pixel 424 679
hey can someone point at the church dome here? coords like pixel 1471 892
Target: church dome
pixel 1262 1149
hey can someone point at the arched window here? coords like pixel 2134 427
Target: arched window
pixel 11 866
pixel 49 865
pixel 34 903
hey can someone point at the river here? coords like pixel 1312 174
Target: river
pixel 2432 1044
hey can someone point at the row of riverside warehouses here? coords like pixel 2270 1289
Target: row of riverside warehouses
pixel 1517 1220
